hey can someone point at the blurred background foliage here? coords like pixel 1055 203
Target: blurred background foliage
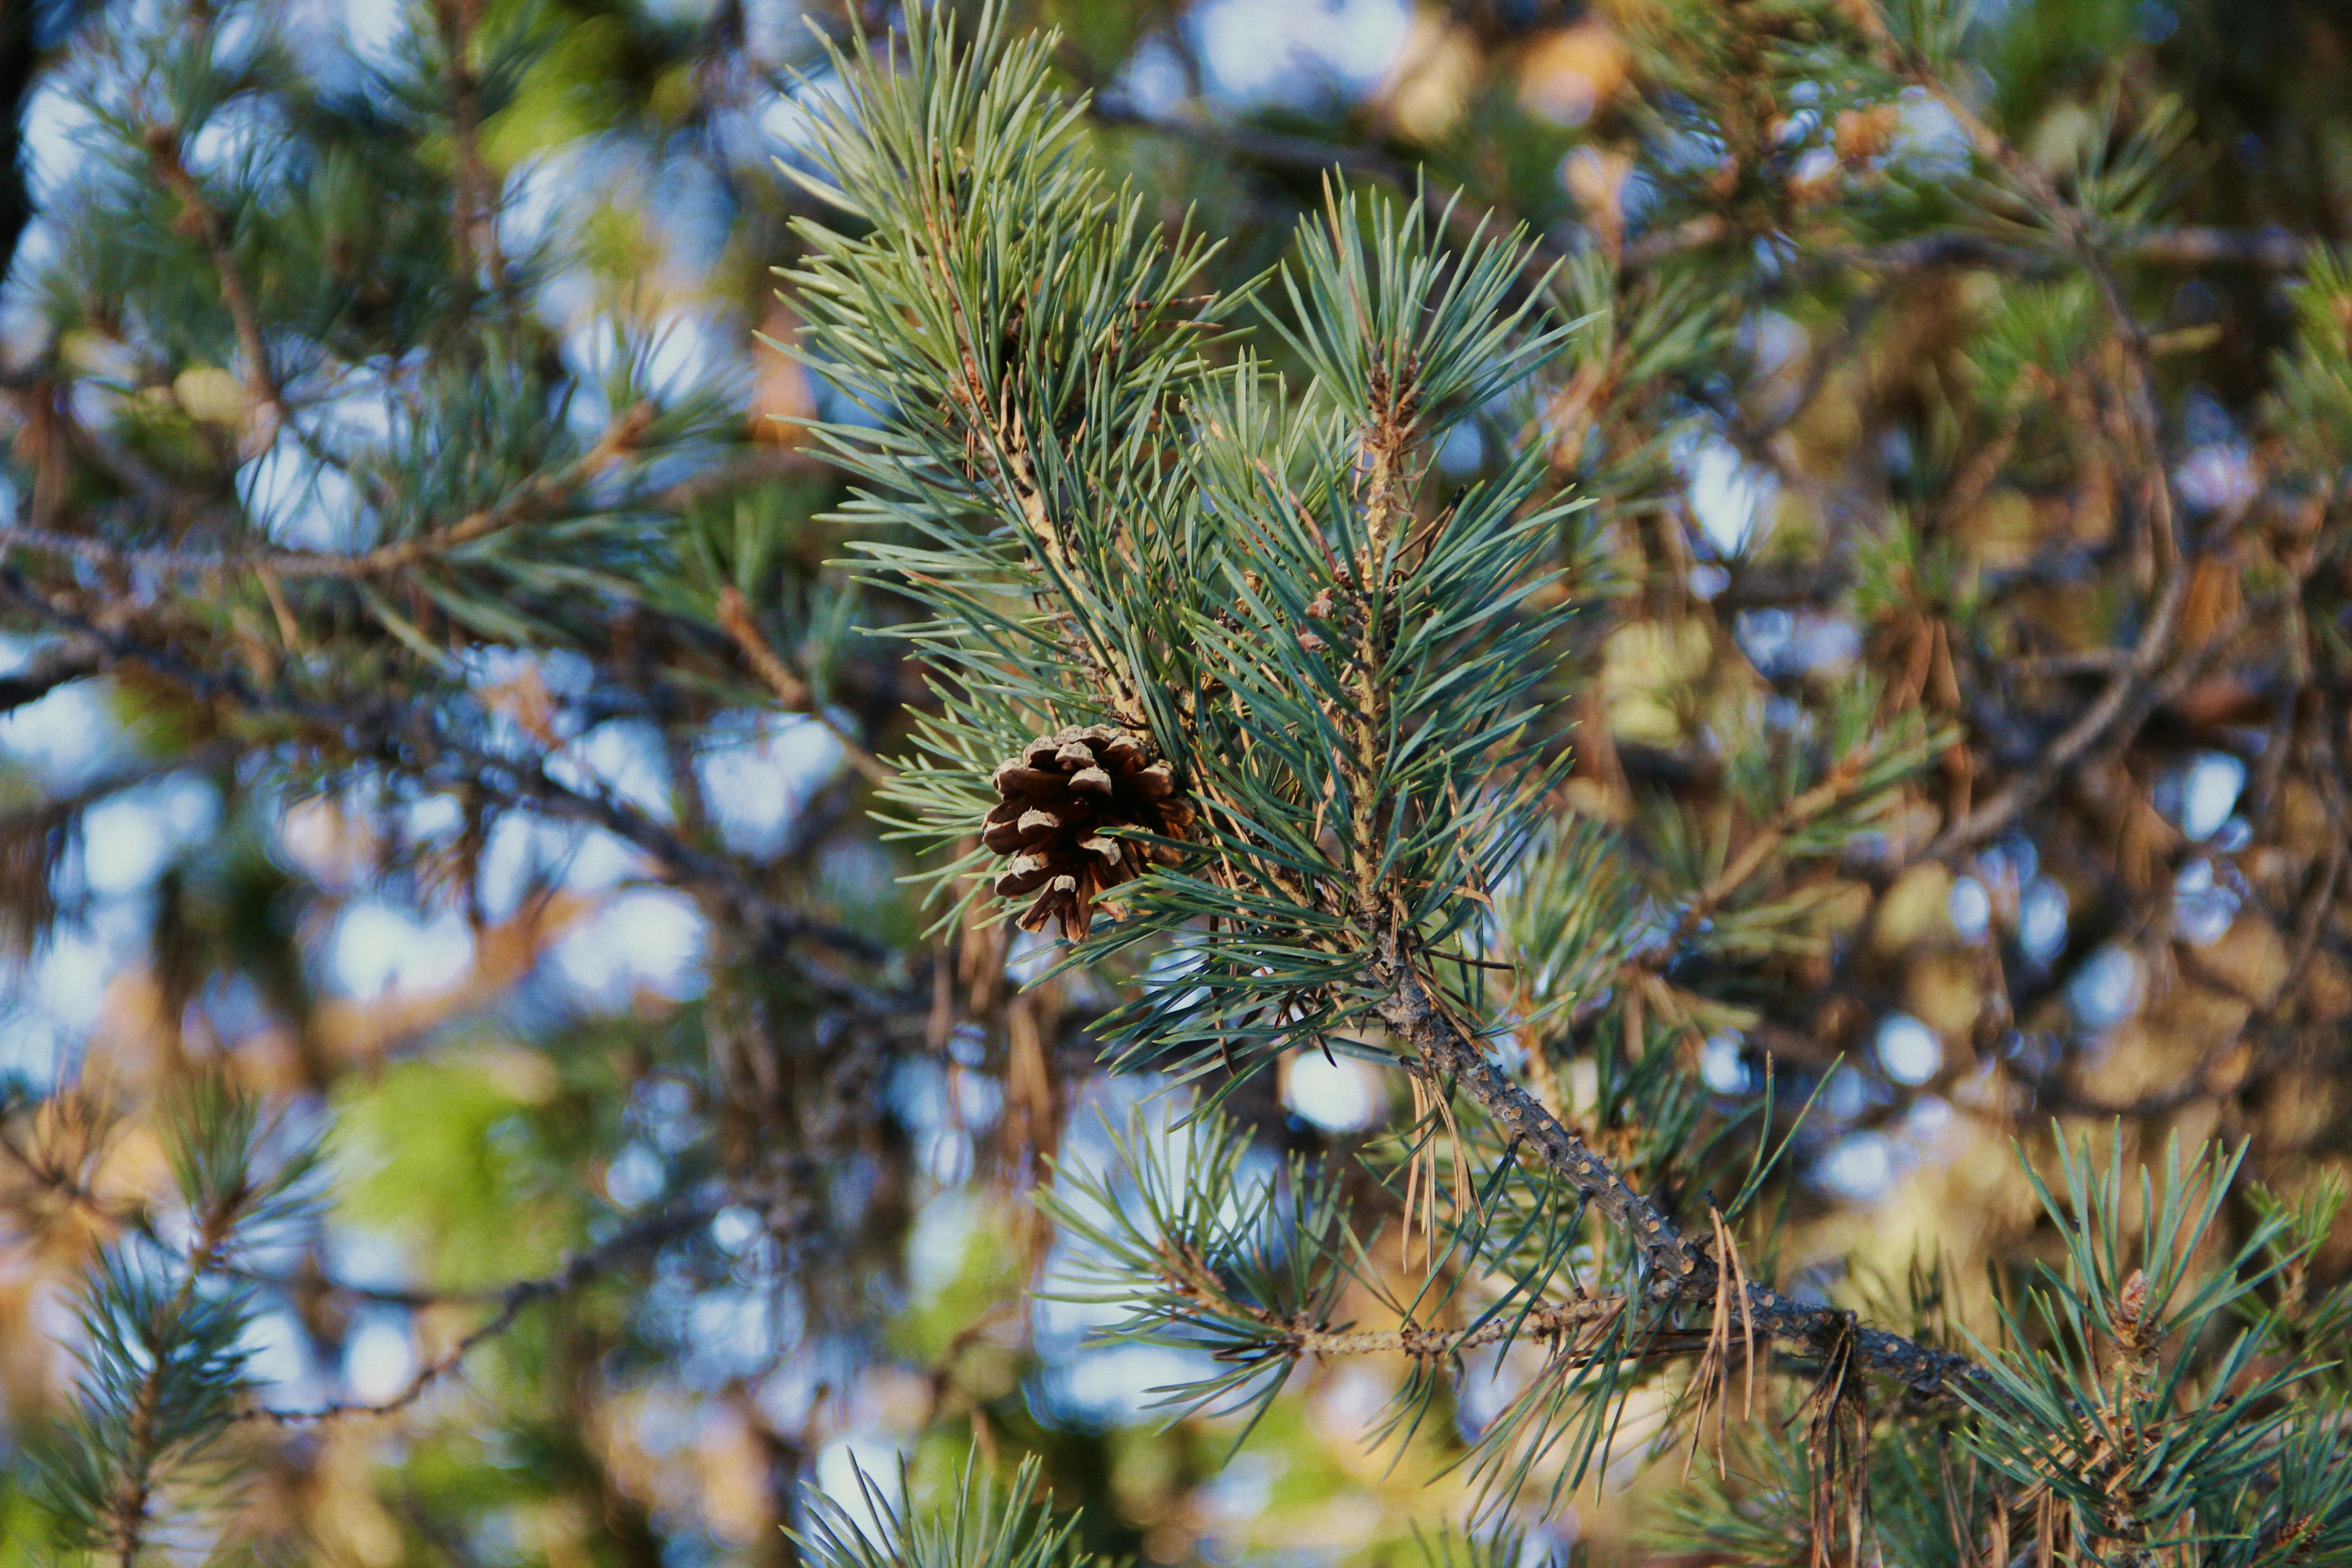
pixel 430 699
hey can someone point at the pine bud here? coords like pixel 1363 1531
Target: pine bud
pixel 2131 1301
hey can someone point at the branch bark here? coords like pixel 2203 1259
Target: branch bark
pixel 20 62
pixel 1678 1270
pixel 59 664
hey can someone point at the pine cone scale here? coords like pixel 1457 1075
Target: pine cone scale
pixel 1015 778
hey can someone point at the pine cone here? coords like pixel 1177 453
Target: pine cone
pixel 1060 794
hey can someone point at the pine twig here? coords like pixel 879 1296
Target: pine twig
pixel 401 737
pixel 205 222
pixel 1678 1270
pixel 59 664
pixel 474 216
pixel 529 503
pixel 582 1268
pixel 135 1494
pixel 735 618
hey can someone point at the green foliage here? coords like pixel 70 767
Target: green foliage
pixel 983 1526
pixel 1146 496
pixel 165 1328
pixel 939 304
pixel 1641 642
pixel 1208 1256
pixel 2314 389
pixel 1343 660
pixel 467 1134
pixel 2136 1453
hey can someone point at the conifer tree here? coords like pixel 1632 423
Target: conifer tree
pixel 1626 666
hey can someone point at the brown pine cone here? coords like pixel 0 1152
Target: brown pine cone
pixel 1060 793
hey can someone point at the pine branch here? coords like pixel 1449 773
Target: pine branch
pixel 413 739
pixel 1849 780
pixel 1561 1324
pixel 544 496
pixel 1393 338
pixel 582 1268
pixel 792 692
pixel 2123 704
pixel 165 1333
pixel 128 1509
pixel 1678 1271
pixel 58 664
pixel 541 497
pixel 475 205
pixel 206 223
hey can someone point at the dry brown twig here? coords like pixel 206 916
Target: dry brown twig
pixel 201 220
pixel 792 692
